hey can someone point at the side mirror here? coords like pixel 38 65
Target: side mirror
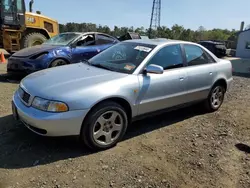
pixel 73 45
pixel 155 69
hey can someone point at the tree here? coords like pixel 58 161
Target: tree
pixel 175 32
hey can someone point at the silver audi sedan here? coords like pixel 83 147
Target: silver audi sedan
pixel 99 98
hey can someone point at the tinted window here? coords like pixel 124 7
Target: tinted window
pixel 102 39
pixel 195 55
pixel 7 5
pixel 247 45
pixel 48 26
pixel 86 40
pixel 209 57
pixel 19 6
pixel 168 57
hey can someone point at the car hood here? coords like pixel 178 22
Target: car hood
pixel 26 52
pixel 54 83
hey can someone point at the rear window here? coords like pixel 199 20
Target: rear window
pixel 220 46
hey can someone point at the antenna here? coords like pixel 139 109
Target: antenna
pixel 155 16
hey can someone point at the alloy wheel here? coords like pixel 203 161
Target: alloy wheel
pixel 108 128
pixel 217 97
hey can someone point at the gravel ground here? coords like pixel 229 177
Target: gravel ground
pixel 185 148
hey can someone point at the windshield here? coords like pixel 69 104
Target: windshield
pixel 62 39
pixel 123 57
pixel 7 5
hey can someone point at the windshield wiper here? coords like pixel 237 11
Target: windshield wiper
pixel 86 61
pixel 102 66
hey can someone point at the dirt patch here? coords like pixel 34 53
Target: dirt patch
pixel 184 148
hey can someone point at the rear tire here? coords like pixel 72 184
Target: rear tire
pixel 104 126
pixel 215 98
pixel 33 39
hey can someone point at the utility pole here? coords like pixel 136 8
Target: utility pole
pixel 155 16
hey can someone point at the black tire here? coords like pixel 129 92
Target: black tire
pixel 209 106
pixel 87 131
pixel 58 62
pixel 33 39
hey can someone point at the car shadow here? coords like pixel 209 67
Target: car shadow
pixel 20 148
pixel 5 78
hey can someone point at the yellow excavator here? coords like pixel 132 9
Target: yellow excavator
pixel 20 29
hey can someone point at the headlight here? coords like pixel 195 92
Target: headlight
pixel 40 56
pixel 50 106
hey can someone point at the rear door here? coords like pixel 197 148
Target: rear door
pixel 90 45
pixel 104 41
pixel 201 71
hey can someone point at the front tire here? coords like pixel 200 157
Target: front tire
pixel 58 62
pixel 104 126
pixel 215 98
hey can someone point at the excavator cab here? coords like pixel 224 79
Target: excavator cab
pixel 21 29
pixel 12 14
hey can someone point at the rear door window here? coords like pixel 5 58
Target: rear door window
pixel 196 55
pixel 102 39
pixel 87 40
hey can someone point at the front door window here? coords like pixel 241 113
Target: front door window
pixel 168 57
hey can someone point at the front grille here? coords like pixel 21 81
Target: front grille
pixel 24 95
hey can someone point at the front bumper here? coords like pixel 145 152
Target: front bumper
pixel 21 66
pixel 47 123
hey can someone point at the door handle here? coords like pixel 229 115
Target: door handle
pixel 210 73
pixel 181 78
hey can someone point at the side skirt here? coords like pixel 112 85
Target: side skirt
pixel 158 112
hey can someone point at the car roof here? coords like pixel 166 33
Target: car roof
pixel 211 42
pixel 157 41
pixel 89 32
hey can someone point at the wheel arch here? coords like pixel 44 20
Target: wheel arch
pixel 36 30
pixel 119 100
pixel 63 58
pixel 222 82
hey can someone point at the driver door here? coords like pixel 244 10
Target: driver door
pixel 85 48
pixel 160 91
